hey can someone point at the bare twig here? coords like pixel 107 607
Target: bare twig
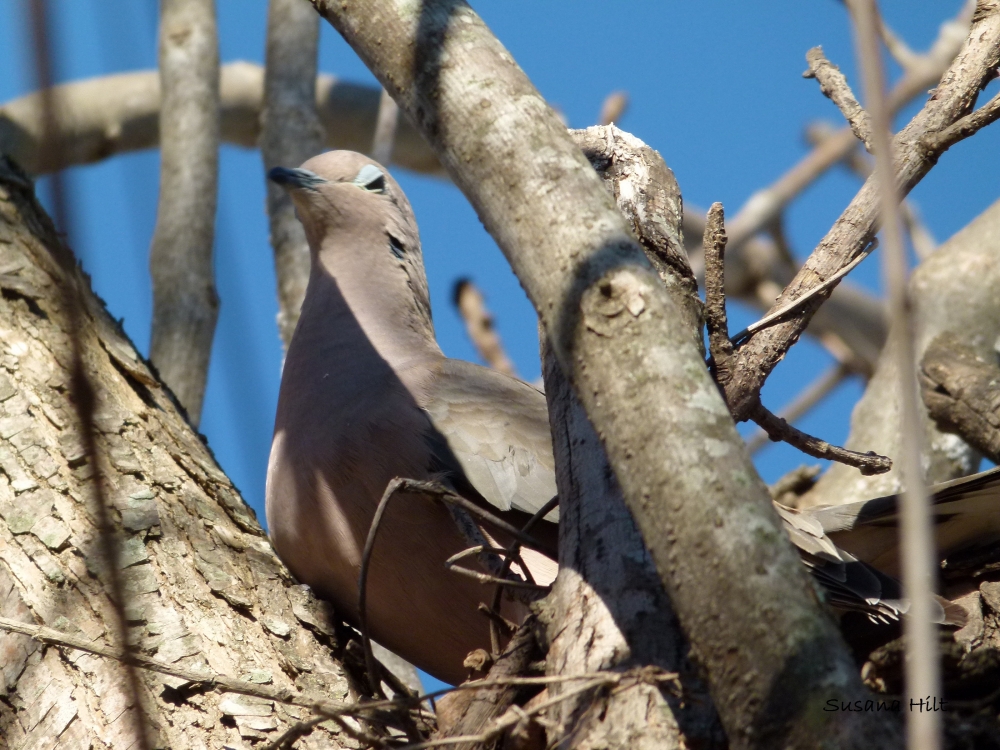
pixel 804 402
pixel 617 680
pixel 185 303
pixel 84 397
pixel 208 680
pixel 614 106
pixel 778 429
pixel 513 553
pixel 443 494
pixel 716 322
pixel 290 133
pixel 954 98
pixel 923 676
pixel 385 129
pixel 298 730
pixel 834 86
pixel 479 326
pixel 485 578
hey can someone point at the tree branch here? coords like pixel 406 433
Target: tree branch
pixel 185 303
pixel 834 86
pixel 290 133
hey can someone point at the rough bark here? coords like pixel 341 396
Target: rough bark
pixel 101 117
pixel 608 609
pixel 290 133
pixel 954 291
pixel 962 393
pixel 772 656
pixel 185 303
pixel 205 590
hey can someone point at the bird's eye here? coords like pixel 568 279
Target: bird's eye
pixel 371 178
pixel 396 247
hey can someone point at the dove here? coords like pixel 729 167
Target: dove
pixel 367 395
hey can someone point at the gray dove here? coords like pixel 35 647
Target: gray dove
pixel 367 395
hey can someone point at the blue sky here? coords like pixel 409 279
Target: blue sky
pixel 716 87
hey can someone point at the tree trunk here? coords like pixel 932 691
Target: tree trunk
pixel 204 589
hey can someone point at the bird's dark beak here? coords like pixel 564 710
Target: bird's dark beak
pixel 295 178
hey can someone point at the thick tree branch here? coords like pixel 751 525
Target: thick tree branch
pixel 612 612
pixel 205 591
pixel 854 230
pixel 185 303
pixel 606 313
pixel 290 133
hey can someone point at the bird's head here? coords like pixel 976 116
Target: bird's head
pixel 357 219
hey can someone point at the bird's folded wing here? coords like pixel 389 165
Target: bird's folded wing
pixel 966 514
pixel 849 583
pixel 495 430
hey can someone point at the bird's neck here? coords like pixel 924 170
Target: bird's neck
pixel 347 314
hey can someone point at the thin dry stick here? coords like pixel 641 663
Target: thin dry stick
pixel 923 678
pixel 185 303
pixel 83 396
pixel 479 326
pixel 716 321
pixel 208 680
pixel 324 708
pixel 721 349
pixel 804 402
pixel 439 492
pixel 296 731
pixel 291 132
pixel 385 129
pixel 514 552
pixel 834 86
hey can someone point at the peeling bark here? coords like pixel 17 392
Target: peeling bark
pixel 204 588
